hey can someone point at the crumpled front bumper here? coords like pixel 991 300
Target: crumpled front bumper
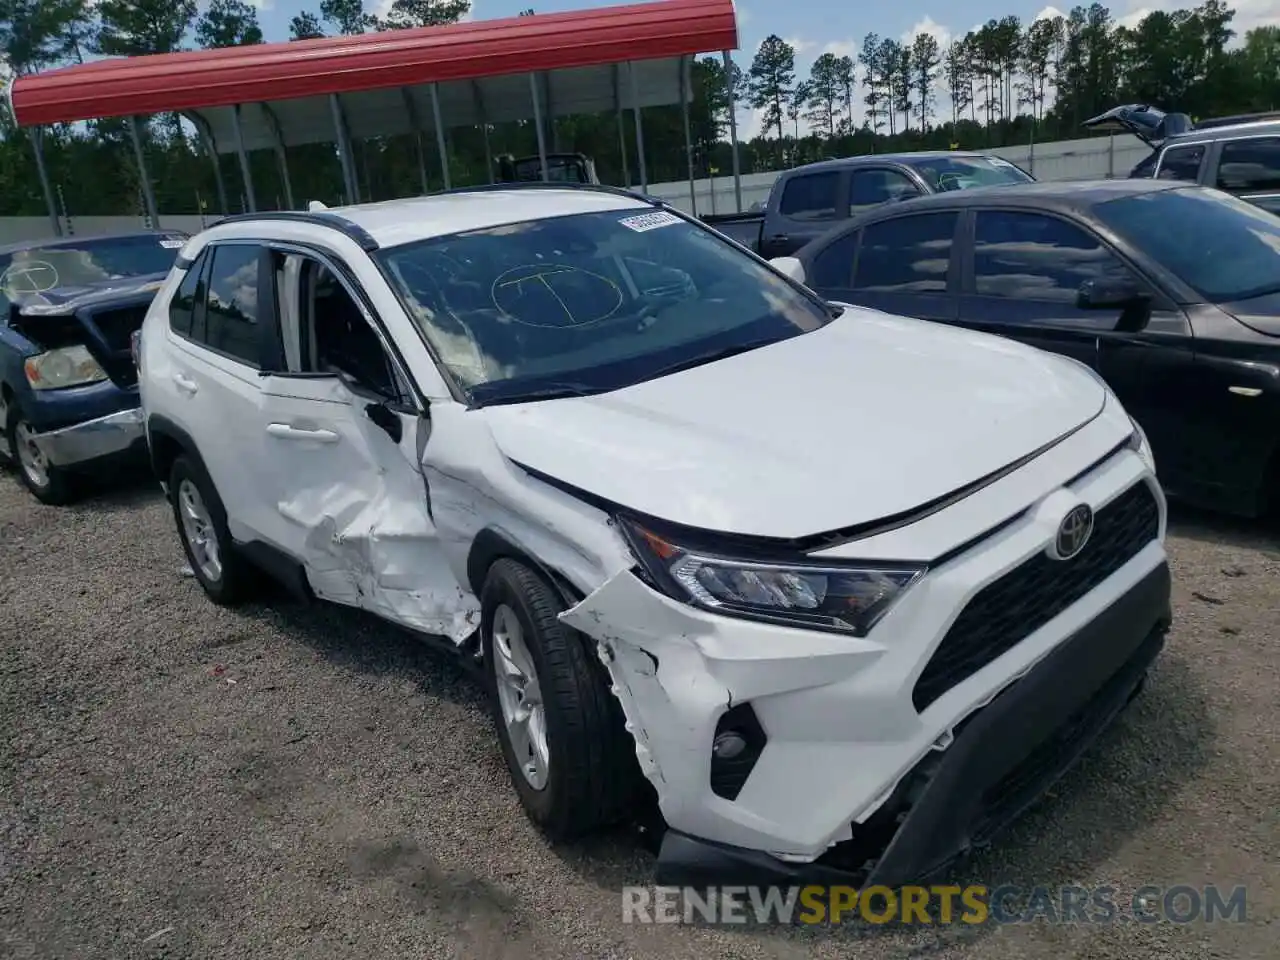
pixel 841 735
pixel 102 437
pixel 1000 762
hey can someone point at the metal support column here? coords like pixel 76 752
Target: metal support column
pixel 411 111
pixel 37 144
pixel 245 172
pixel 537 123
pixel 550 111
pixel 733 131
pixel 686 83
pixel 344 150
pixel 622 127
pixel 148 195
pixel 282 156
pixel 440 143
pixel 483 115
pixel 635 109
pixel 210 145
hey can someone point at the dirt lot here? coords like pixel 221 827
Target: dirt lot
pixel 182 781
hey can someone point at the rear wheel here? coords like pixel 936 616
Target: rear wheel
pixel 47 483
pixel 571 761
pixel 202 527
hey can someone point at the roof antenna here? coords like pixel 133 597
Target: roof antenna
pixel 315 206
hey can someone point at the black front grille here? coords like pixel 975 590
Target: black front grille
pixel 1005 612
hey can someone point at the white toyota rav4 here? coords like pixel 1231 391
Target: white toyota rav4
pixel 847 591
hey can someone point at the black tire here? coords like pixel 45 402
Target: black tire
pixel 58 489
pixel 234 584
pixel 593 772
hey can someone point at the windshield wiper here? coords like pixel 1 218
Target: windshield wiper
pixel 711 356
pixel 555 390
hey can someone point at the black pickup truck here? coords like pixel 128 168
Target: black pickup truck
pixel 809 201
pixel 1238 154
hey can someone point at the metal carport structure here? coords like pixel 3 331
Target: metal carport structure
pixel 419 81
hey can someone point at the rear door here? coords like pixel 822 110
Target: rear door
pixel 1183 162
pixel 901 265
pixel 808 205
pixel 1250 169
pixel 212 368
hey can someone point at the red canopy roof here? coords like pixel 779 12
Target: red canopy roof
pixel 176 82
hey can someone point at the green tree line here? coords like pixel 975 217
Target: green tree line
pixel 1004 83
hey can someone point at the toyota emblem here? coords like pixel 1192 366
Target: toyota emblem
pixel 1073 532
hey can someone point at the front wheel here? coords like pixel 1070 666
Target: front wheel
pixel 47 483
pixel 570 758
pixel 202 527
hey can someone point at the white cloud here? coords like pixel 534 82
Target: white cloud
pixel 930 26
pixel 1048 13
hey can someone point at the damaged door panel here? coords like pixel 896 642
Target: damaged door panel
pixel 349 499
pixel 473 487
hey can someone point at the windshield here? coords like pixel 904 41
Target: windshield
pixel 964 173
pixel 33 271
pixel 1222 248
pixel 590 302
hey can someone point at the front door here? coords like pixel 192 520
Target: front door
pixel 1023 278
pixel 340 459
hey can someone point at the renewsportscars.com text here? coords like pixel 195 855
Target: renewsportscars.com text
pixel 972 905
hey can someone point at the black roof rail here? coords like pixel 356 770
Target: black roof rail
pixel 1212 122
pixel 319 218
pixel 547 185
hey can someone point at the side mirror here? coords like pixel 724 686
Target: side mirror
pixel 1110 295
pixel 790 266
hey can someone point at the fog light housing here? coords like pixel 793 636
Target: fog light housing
pixel 738 742
pixel 728 745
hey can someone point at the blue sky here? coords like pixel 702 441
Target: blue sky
pixel 815 26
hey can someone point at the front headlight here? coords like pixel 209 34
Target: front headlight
pixel 845 598
pixel 63 367
pixel 1138 444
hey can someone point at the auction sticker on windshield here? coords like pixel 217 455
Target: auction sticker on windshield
pixel 649 221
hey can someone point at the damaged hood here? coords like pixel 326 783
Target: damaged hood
pixel 66 300
pixel 865 418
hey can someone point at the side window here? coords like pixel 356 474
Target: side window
pixel 810 197
pixel 906 254
pixel 182 307
pixel 1028 256
pixel 1181 163
pixel 1248 165
pixel 338 337
pixel 231 311
pixel 870 188
pixel 833 267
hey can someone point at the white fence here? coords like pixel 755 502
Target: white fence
pixel 1063 160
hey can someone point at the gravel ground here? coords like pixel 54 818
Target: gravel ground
pixel 178 780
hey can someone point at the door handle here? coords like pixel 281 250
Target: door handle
pixel 780 237
pixel 185 384
pixel 285 432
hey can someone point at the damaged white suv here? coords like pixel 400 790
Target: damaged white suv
pixel 844 591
